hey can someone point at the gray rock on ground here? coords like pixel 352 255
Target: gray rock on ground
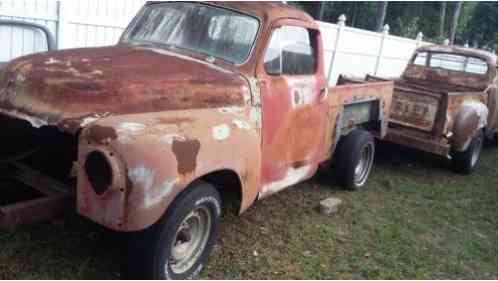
pixel 330 206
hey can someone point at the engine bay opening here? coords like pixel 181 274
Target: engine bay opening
pixel 45 149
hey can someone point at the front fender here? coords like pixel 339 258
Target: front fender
pixel 472 117
pixel 156 156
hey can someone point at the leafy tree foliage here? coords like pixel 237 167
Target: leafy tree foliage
pixel 483 26
pixel 477 22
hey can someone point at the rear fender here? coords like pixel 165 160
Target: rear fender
pixel 365 103
pixel 158 155
pixel 472 117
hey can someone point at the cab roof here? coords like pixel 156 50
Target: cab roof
pixel 265 11
pixel 488 56
pixel 268 10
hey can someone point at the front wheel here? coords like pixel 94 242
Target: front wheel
pixel 178 246
pixel 467 161
pixel 355 157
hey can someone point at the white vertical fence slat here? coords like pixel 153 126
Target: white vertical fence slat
pixel 90 23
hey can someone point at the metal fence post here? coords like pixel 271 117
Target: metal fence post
pixel 341 23
pixel 419 39
pixel 61 24
pixel 385 33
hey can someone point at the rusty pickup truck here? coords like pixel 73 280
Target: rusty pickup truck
pixel 197 104
pixel 446 103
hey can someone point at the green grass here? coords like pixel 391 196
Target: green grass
pixel 415 220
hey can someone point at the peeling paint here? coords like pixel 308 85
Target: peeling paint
pixel 91 119
pixel 20 78
pixel 157 195
pixel 127 130
pixel 293 176
pixel 52 61
pixel 221 132
pixel 142 176
pixel 232 110
pixel 481 110
pixel 241 124
pixel 170 138
pixel 255 116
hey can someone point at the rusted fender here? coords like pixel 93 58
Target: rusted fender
pixel 381 92
pixel 472 117
pixel 155 156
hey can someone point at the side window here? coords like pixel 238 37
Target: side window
pixel 290 52
pixel 420 59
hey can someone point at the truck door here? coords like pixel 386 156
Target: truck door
pixel 293 90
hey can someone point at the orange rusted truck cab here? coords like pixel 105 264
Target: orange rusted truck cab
pixel 267 129
pixel 446 103
pixel 196 100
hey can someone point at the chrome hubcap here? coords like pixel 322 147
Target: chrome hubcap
pixel 364 165
pixel 476 152
pixel 190 240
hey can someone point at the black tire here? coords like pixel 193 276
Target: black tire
pixel 494 140
pixel 348 155
pixel 150 252
pixel 467 161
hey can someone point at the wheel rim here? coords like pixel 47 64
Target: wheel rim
pixel 476 152
pixel 190 240
pixel 364 165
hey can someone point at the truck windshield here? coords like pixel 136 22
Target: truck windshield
pixel 452 62
pixel 213 31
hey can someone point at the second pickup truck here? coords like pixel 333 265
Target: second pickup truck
pixel 446 103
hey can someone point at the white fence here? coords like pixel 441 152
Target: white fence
pixel 88 23
pixel 359 52
pixel 75 23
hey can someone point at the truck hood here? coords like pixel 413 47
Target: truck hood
pixel 71 87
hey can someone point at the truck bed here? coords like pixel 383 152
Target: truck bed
pixel 422 116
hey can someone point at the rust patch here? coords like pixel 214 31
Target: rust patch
pixel 100 134
pixel 186 155
pixel 175 120
pixel 298 164
pixel 116 80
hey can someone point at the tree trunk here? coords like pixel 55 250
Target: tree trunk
pixel 381 15
pixel 355 11
pixel 454 21
pixel 442 19
pixel 321 13
pixel 315 9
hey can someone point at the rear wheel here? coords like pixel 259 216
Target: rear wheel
pixel 355 157
pixel 467 161
pixel 178 246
